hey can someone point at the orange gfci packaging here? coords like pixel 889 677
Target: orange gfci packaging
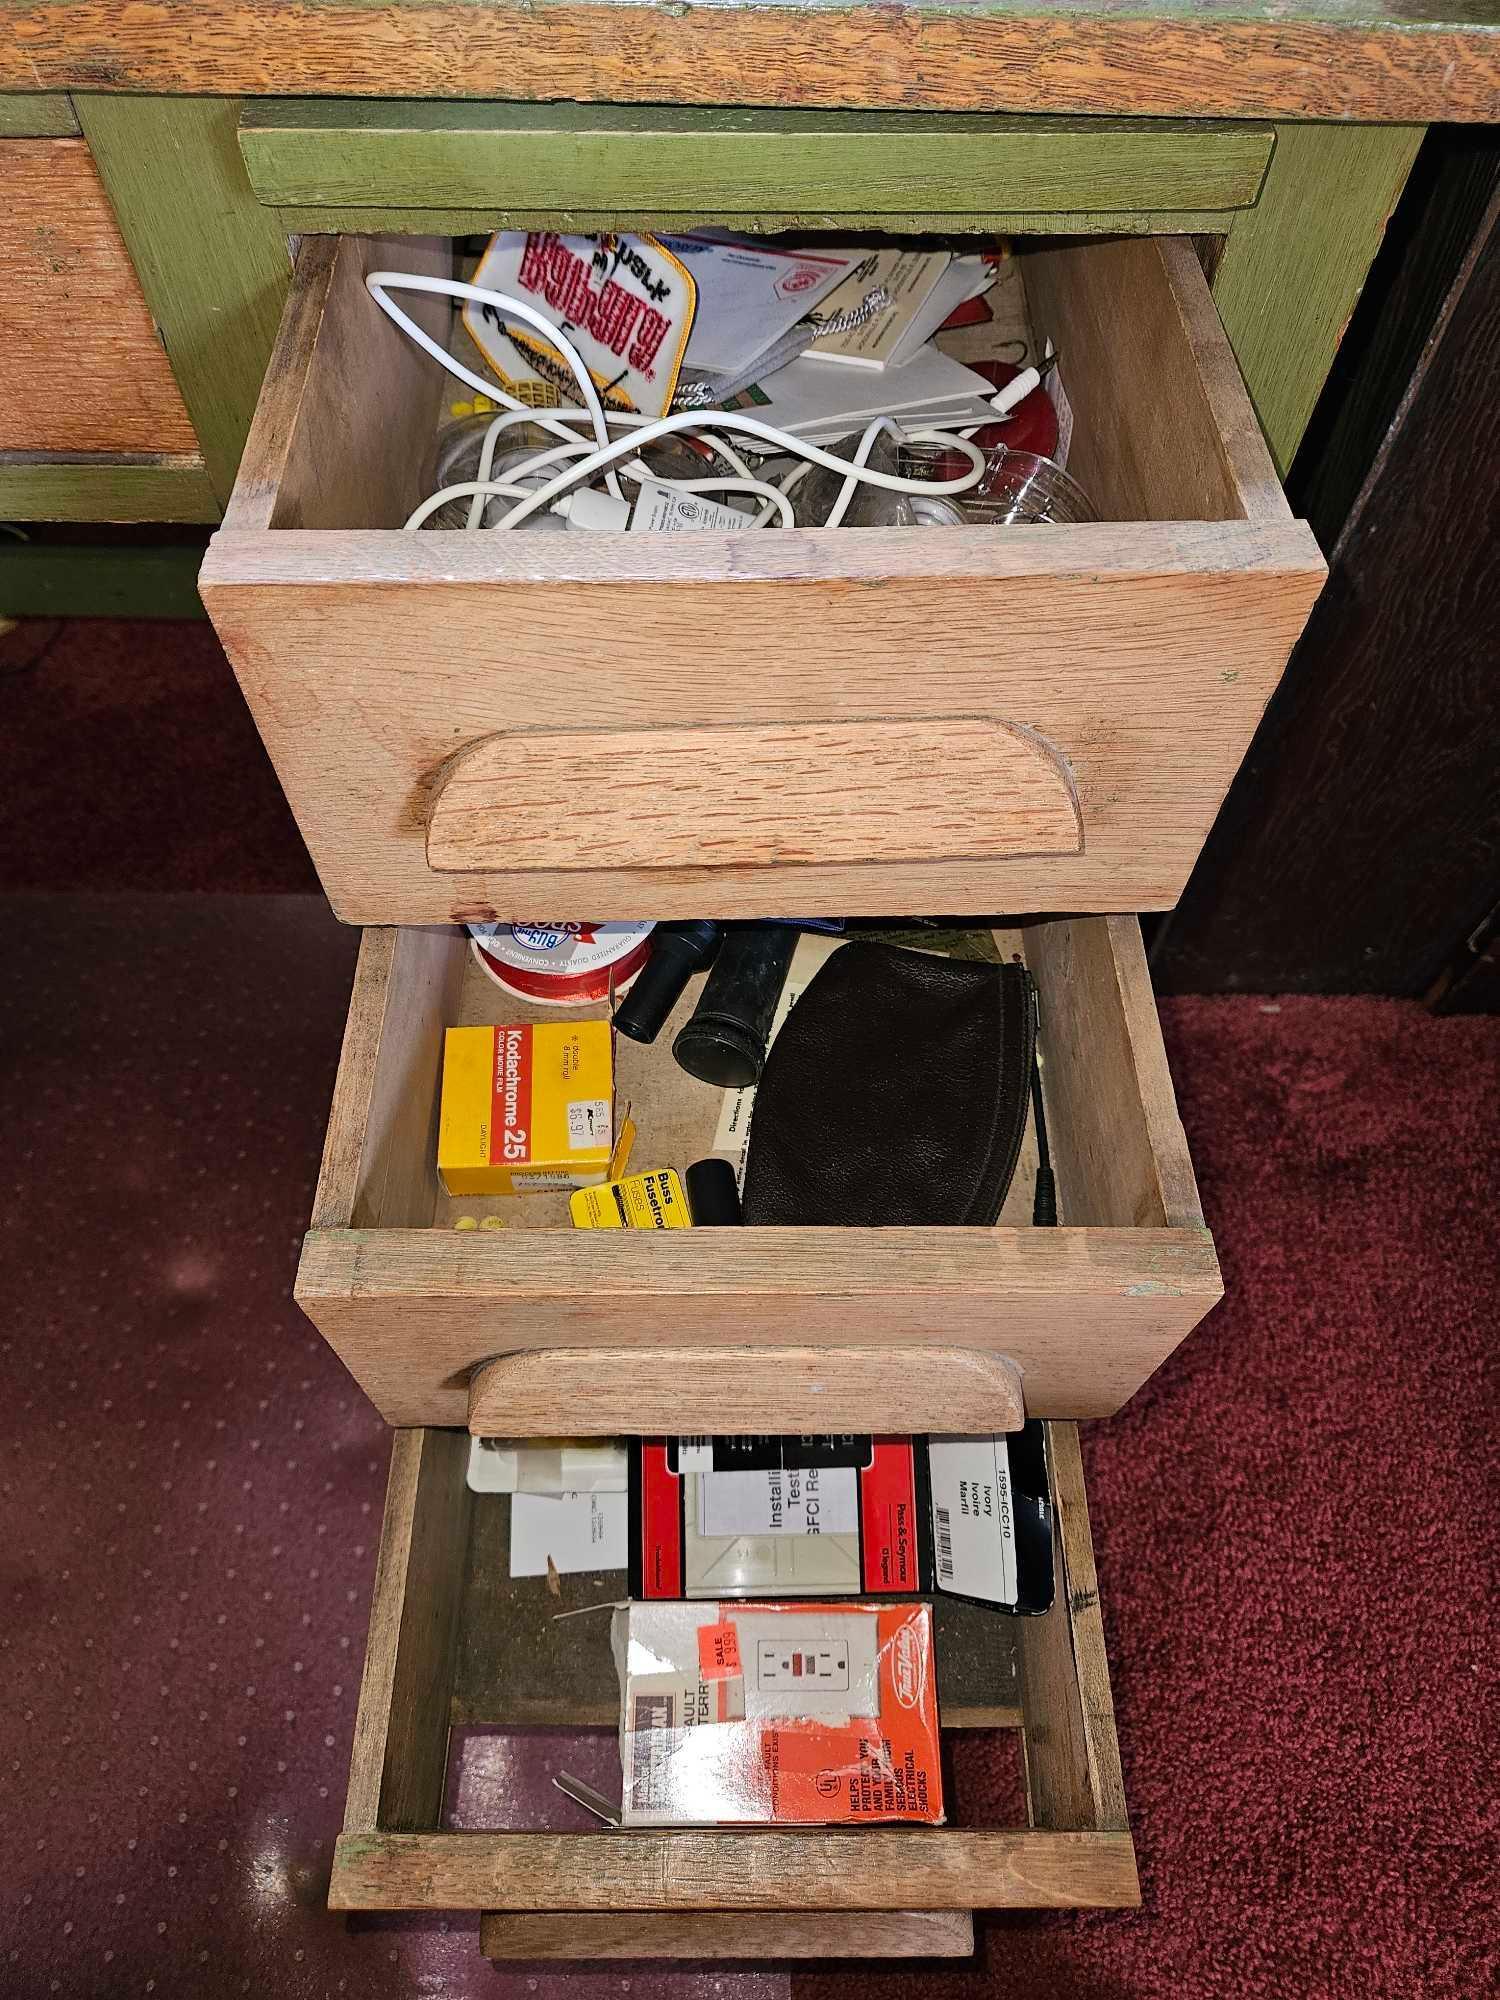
pixel 777 1714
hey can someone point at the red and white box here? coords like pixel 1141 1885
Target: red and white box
pixel 745 1714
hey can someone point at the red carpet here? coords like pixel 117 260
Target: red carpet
pixel 1295 1524
pixel 1295 1520
pixel 131 762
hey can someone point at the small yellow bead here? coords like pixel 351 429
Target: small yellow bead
pixel 465 1222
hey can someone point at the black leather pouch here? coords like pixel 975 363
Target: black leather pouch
pixel 896 1091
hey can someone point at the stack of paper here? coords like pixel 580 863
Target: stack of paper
pixel 750 294
pixel 818 402
pixel 923 288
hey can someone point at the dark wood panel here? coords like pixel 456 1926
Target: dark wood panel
pixel 1361 841
pixel 1470 982
pixel 1425 247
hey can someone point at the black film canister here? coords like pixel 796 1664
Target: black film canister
pixel 677 952
pixel 725 1040
pixel 713 1195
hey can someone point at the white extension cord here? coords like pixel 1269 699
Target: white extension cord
pixel 581 462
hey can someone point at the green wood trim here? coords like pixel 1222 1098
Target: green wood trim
pixel 75 580
pixel 813 167
pixel 74 487
pixel 212 262
pixel 1293 267
pixel 998 222
pixel 37 118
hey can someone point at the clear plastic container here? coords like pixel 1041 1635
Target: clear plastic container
pixel 816 492
pixel 1018 488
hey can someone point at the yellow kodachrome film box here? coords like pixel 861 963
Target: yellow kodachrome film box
pixel 526 1107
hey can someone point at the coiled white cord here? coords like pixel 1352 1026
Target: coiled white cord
pixel 587 463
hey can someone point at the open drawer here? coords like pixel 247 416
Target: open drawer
pixel 535 1328
pixel 455 1646
pixel 480 726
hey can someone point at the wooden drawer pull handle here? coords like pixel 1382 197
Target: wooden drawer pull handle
pixel 754 795
pixel 603 1391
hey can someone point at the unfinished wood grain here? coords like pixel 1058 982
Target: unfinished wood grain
pixel 1140 335
pixel 400 1754
pixel 1085 1314
pixel 309 460
pixel 946 787
pixel 720 1934
pixel 1216 58
pixel 863 165
pixel 1072 1753
pixel 1142 652
pixel 84 370
pixel 807 1871
pixel 1118 1145
pixel 382 1127
pixel 263 473
pixel 871 1868
pixel 601 1391
pixel 519 1664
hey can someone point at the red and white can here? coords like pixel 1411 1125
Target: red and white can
pixel 562 965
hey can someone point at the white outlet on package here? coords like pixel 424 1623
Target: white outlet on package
pixel 796 1668
pixel 810 1664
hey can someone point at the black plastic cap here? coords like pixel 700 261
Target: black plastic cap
pixel 713 1195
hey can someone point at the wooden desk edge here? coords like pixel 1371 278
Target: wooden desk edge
pixel 1224 59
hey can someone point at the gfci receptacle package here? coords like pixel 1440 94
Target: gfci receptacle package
pixel 777 1714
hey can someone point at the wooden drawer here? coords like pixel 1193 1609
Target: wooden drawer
pixel 685 725
pixel 792 1329
pixel 452 1642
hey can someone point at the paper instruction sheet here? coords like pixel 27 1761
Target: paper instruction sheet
pixel 578 1531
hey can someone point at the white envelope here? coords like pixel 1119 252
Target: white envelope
pixel 580 1532
pixel 924 290
pixel 818 401
pixel 498 1467
pixel 750 293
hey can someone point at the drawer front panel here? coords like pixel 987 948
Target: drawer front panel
pixel 1139 680
pixel 749 1934
pixel 478 726
pixel 780 169
pixel 939 1329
